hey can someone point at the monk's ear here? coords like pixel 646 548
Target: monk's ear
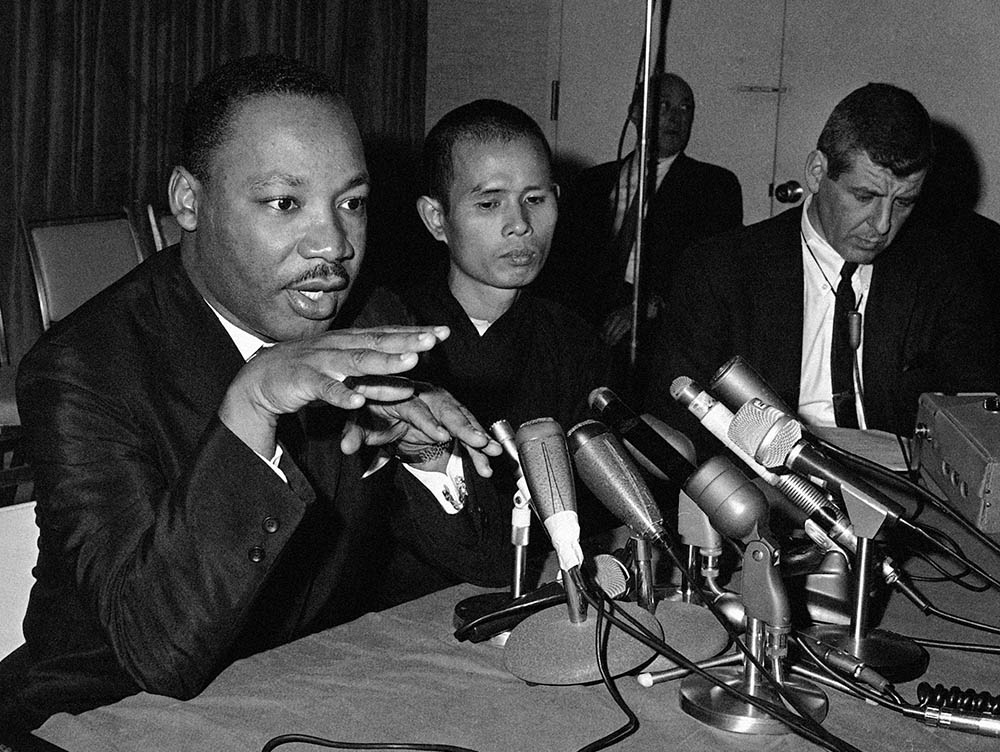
pixel 432 214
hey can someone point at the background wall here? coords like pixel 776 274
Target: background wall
pixel 766 73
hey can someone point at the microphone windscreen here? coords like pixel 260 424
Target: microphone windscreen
pixel 612 575
pixel 545 462
pixel 606 469
pixel 764 432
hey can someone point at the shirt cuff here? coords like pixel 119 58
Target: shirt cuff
pixel 449 487
pixel 273 462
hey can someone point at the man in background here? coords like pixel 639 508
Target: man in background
pixel 593 258
pixel 782 293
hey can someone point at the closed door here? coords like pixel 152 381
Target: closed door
pixel 766 74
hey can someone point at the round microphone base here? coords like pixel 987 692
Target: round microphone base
pixel 547 648
pixel 691 630
pixel 897 658
pixel 706 702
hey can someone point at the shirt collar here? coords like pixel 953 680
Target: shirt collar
pixel 828 259
pixel 662 165
pixel 248 344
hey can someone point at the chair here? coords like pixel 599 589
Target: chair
pixel 164 228
pixel 15 475
pixel 75 258
pixel 18 554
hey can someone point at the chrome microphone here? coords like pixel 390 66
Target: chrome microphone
pixel 545 461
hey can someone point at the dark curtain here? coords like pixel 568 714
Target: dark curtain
pixel 92 92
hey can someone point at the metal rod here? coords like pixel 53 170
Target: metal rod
pixel 859 618
pixel 641 193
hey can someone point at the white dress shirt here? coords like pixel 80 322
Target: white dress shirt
pixel 628 185
pixel 821 274
pixel 448 487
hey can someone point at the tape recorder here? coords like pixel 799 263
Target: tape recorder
pixel 957 450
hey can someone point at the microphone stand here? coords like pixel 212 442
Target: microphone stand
pixel 520 522
pixel 495 614
pixel 704 551
pixel 643 157
pixel 895 657
pixel 641 552
pixel 768 623
pixel 553 646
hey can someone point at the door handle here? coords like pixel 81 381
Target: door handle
pixel 789 192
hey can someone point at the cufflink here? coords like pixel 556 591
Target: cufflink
pixel 456 504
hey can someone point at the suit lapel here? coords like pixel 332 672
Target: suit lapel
pixel 200 352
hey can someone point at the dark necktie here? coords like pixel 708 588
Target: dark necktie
pixel 841 352
pixel 625 239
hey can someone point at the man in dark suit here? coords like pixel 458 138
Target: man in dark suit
pixel 770 292
pixel 591 265
pixel 195 429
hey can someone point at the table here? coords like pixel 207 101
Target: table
pixel 400 675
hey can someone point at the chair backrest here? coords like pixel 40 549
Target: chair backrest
pixel 74 259
pixel 18 554
pixel 4 352
pixel 164 228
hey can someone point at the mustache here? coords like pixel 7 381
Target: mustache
pixel 324 271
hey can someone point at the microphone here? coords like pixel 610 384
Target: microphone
pixel 775 439
pixel 718 419
pixel 737 382
pixel 829 519
pixel 545 462
pixel 651 450
pixel 606 468
pixel 614 573
pixel 738 509
pixel 520 516
pixel 546 648
pixel 491 615
pixel 504 434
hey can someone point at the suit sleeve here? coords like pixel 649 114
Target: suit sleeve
pixel 731 202
pixel 470 546
pixel 168 565
pixel 692 339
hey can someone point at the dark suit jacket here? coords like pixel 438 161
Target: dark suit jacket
pixel 927 324
pixel 168 548
pixel 537 360
pixel 696 200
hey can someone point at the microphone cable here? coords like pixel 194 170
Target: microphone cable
pixel 922 602
pixel 319 741
pixel 955 709
pixel 965 647
pixel 919 493
pixel 602 634
pixel 877 689
pixel 799 722
pixel 873 468
pixel 957 578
